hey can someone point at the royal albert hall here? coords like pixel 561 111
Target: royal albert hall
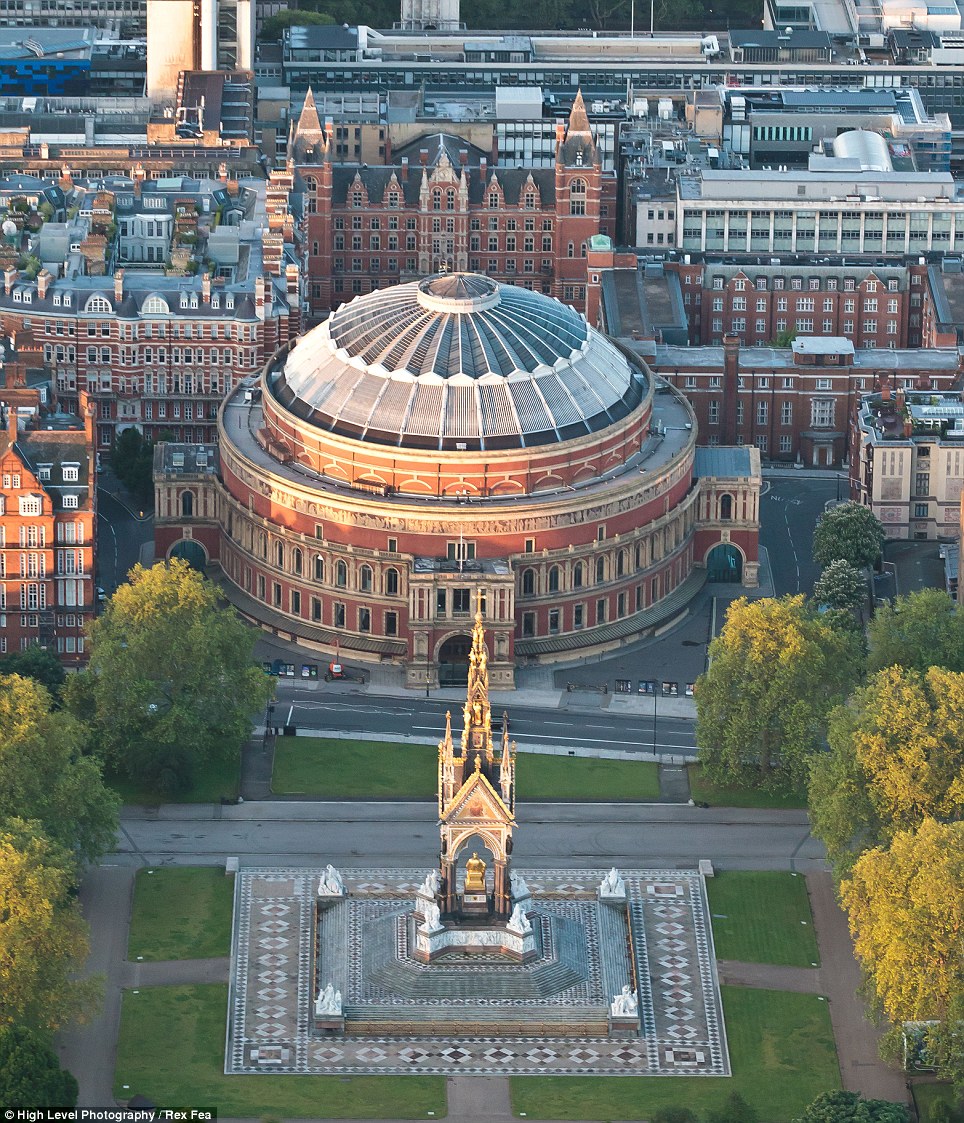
pixel 453 439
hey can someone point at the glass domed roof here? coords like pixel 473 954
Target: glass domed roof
pixel 458 361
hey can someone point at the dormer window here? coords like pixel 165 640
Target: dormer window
pixel 70 501
pixel 66 299
pixel 229 301
pixel 30 505
pixel 56 299
pixel 184 300
pixel 70 473
pixel 16 296
pixel 215 301
pixel 27 296
pixel 43 473
pixel 194 300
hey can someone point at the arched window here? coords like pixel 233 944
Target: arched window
pixel 187 504
pixel 577 575
pixel 341 575
pixel 528 582
pixel 577 196
pixel 600 570
pixel 726 506
pixel 391 582
pixel 365 579
pixel 263 545
pixel 620 564
pixel 279 555
pixel 154 306
pixel 98 303
pixel 319 568
pixel 297 562
pixel 554 579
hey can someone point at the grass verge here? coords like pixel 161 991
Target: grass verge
pixel 334 768
pixel 181 913
pixel 703 791
pixel 781 1050
pixel 171 1049
pixel 212 781
pixel 762 917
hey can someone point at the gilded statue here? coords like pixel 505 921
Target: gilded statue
pixel 475 874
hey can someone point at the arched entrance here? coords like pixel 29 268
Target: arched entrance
pixel 724 563
pixel 453 661
pixel 190 551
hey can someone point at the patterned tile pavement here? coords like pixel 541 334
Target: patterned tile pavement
pixel 270 1026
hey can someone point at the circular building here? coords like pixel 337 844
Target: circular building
pixel 443 441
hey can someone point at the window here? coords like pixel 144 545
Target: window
pixel 553 621
pixel 316 610
pixel 528 582
pixel 577 197
pixel 338 614
pixel 786 413
pixel 318 569
pixel 341 575
pixel 364 619
pixel 577 575
pixel 391 582
pixel 365 579
pixel 920 510
pixel 554 579
pixel 276 594
pixel 922 483
pixel 600 611
pixel 528 623
pixel 391 623
pixel 295 602
pixel 600 570
pixel 461 602
pixel 821 412
pixel 726 507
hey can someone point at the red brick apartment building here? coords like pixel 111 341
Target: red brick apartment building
pixel 47 526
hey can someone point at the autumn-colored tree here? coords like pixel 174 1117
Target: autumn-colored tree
pixel 849 532
pixel 30 1072
pixel 45 776
pixel 920 630
pixel 43 938
pixel 171 681
pixel 776 671
pixel 905 905
pixel 896 756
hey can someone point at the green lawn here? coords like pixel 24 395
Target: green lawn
pixel 181 913
pixel 927 1095
pixel 357 769
pixel 171 1049
pixel 781 1050
pixel 211 782
pixel 704 792
pixel 762 916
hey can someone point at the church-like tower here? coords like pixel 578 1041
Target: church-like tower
pixel 476 794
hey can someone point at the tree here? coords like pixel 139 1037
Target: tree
pixel 920 630
pixel 30 1073
pixel 45 776
pixel 171 677
pixel 842 586
pixel 849 532
pixel 896 757
pixel 43 938
pixel 905 905
pixel 849 1107
pixel 132 459
pixel 735 1110
pixel 776 671
pixel 274 26
pixel 38 663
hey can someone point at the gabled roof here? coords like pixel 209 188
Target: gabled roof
pixel 477 799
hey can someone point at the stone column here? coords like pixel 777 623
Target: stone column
pixel 449 895
pixel 501 897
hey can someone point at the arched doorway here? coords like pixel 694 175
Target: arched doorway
pixel 724 563
pixel 190 551
pixel 453 661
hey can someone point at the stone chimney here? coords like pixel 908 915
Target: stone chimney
pixel 43 283
pixel 404 169
pixel 463 156
pixel 731 387
pixel 119 286
pixel 205 288
pixel 9 276
pixel 483 168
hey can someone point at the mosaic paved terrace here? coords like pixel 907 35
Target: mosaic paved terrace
pixel 474 1014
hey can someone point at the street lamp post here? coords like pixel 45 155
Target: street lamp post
pixel 655 696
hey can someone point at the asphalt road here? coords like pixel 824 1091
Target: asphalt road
pixel 587 726
pixel 356 835
pixel 789 509
pixel 121 536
